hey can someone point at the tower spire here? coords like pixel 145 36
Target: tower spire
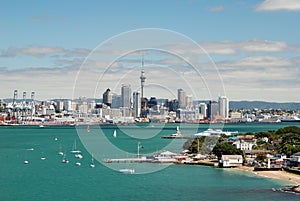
pixel 143 79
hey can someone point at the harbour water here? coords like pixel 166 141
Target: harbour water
pixel 51 179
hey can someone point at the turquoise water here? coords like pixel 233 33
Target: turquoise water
pixel 52 180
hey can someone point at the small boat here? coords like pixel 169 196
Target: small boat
pixel 26 162
pixel 127 171
pixel 65 160
pixel 75 150
pixel 177 135
pixel 78 156
pixel 92 165
pixel 115 134
pixel 88 129
pixel 78 163
pixel 41 126
pixel 55 139
pixel 43 158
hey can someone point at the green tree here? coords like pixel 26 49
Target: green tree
pixel 226 148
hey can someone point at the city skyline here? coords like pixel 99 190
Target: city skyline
pixel 254 45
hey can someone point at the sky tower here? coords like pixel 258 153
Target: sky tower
pixel 143 78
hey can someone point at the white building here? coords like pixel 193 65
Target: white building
pixel 136 104
pixel 244 145
pixel 231 161
pixel 224 107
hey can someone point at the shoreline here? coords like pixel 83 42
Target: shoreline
pixel 281 175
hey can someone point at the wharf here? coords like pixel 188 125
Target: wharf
pixel 177 137
pixel 128 160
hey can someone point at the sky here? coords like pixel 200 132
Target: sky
pixel 245 50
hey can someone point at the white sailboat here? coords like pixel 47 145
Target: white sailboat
pixel 115 134
pixel 60 150
pixel 75 150
pixel 92 165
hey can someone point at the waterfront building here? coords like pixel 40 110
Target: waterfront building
pixel 107 97
pixel 224 107
pixel 136 104
pixel 181 98
pixel 59 106
pixel 185 115
pixel 231 160
pixel 126 96
pixel 68 105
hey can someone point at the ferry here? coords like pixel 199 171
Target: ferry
pixel 214 132
pixel 293 118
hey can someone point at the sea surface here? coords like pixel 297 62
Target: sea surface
pixel 51 179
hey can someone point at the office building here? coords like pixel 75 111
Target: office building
pixel 126 96
pixel 107 97
pixel 224 107
pixel 136 104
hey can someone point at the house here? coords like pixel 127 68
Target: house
pixel 295 159
pixel 166 157
pixel 231 161
pixel 245 144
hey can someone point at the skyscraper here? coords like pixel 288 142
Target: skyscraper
pixel 181 98
pixel 107 97
pixel 224 106
pixel 136 104
pixel 202 109
pixel 126 96
pixel 212 109
pixel 189 102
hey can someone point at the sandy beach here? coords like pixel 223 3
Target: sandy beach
pixel 294 179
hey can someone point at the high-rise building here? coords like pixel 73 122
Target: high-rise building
pixel 107 97
pixel 189 102
pixel 126 96
pixel 212 109
pixel 224 106
pixel 116 101
pixel 136 104
pixel 181 98
pixel 203 109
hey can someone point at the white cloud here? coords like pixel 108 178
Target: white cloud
pixel 258 61
pixel 232 47
pixel 216 8
pixel 274 5
pixel 243 73
pixel 37 51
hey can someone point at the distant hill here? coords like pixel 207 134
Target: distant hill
pixel 263 105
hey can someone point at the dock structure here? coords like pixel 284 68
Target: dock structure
pixel 178 137
pixel 128 160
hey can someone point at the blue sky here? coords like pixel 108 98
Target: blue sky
pixel 255 43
